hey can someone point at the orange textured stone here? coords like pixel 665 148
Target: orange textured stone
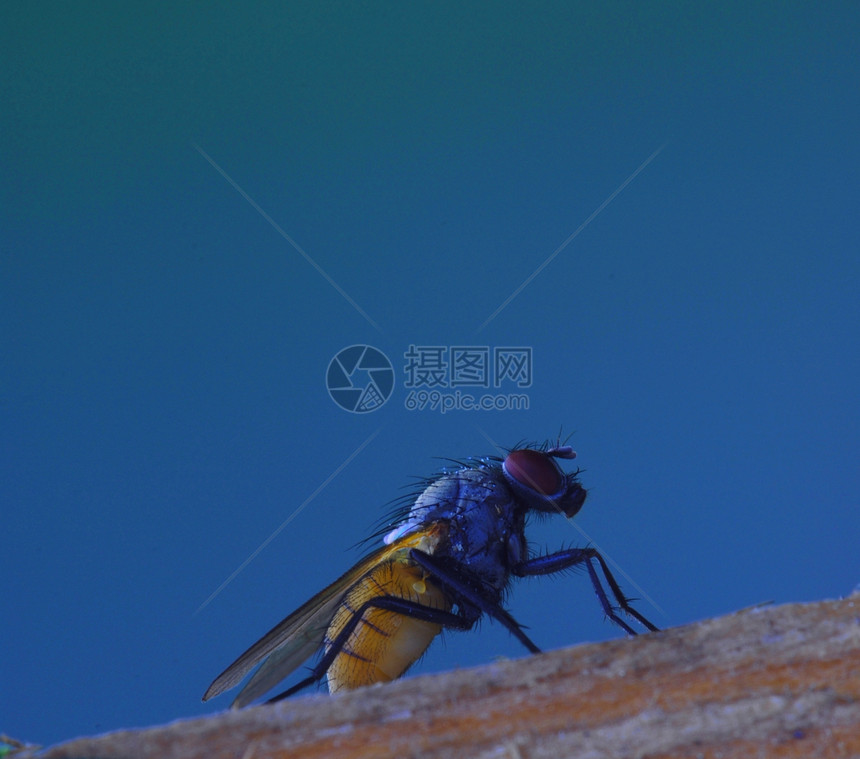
pixel 766 682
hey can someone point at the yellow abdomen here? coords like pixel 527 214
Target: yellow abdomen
pixel 384 644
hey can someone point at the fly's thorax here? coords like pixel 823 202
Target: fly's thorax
pixel 483 522
pixel 486 529
pixel 449 496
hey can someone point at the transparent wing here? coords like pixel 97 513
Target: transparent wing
pixel 297 637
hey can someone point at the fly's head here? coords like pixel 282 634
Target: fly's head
pixel 540 483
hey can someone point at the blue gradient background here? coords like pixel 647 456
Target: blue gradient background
pixel 164 349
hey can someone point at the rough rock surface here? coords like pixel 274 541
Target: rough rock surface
pixel 765 682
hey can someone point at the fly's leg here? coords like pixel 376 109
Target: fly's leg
pixel 389 603
pixel 450 580
pixel 561 560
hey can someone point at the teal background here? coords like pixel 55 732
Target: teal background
pixel 164 349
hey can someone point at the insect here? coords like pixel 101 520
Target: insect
pixel 447 559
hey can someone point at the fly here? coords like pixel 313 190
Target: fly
pixel 447 559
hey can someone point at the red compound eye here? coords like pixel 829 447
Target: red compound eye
pixel 535 470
